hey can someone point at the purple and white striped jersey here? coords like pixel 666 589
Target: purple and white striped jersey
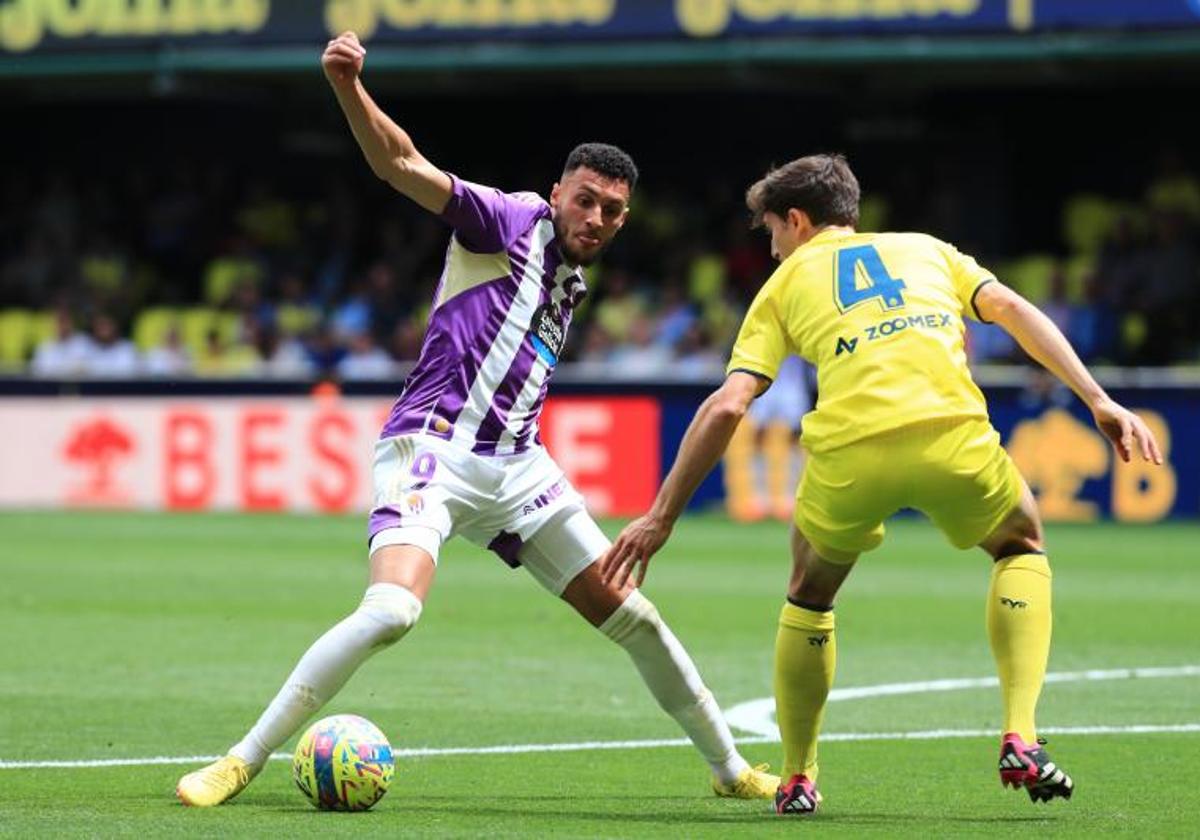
pixel 499 322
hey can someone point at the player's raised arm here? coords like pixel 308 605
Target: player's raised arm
pixel 388 148
pixel 703 445
pixel 1041 339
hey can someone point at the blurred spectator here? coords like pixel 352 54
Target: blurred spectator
pixel 1122 264
pixel 238 266
pixel 353 316
pixel 675 315
pixel 386 304
pixel 221 359
pixel 748 260
pixel 365 360
pixel 246 300
pixel 1056 306
pixel 696 357
pixel 324 351
pixel 1094 324
pixel 1171 291
pixel 65 355
pixel 406 340
pixel 278 257
pixel 110 356
pixel 640 357
pixel 619 307
pixel 295 310
pixel 596 347
pixel 169 359
pixel 989 344
pixel 1174 189
pixel 279 355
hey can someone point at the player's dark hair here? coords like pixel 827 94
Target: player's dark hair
pixel 604 159
pixel 821 185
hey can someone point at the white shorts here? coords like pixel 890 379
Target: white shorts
pixel 787 400
pixel 522 507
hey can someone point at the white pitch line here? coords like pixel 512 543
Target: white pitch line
pixel 584 746
pixel 753 716
pixel 757 716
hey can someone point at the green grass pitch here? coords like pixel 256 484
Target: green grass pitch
pixel 129 636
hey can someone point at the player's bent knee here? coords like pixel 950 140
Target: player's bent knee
pixel 635 619
pixel 665 666
pixel 392 609
pixel 1021 537
pixel 1015 547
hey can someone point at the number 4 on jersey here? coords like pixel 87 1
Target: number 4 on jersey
pixel 878 283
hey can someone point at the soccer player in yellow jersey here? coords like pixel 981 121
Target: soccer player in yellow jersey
pixel 898 423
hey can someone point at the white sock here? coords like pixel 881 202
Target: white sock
pixel 672 678
pixel 386 613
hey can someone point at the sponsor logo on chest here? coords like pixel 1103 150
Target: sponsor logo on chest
pixel 547 333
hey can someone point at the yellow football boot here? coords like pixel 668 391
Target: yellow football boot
pixel 218 782
pixel 751 783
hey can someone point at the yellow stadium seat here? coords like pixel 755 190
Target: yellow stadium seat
pixel 103 274
pixel 1134 330
pixel 196 322
pixel 706 278
pixel 721 320
pixel 43 326
pixel 151 326
pixel 223 275
pixel 229 325
pixel 1030 275
pixel 1175 193
pixel 296 320
pixel 1087 222
pixel 16 333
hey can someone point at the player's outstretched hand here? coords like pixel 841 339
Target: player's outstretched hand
pixel 633 549
pixel 342 60
pixel 1127 432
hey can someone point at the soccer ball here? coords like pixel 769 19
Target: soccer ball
pixel 343 763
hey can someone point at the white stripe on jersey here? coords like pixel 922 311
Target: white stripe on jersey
pixel 508 341
pixel 518 416
pixel 520 409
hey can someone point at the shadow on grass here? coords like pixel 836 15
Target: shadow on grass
pixel 883 819
pixel 647 810
pixel 675 812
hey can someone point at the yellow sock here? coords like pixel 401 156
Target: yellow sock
pixel 1018 623
pixel 805 657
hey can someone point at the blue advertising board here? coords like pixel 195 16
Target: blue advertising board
pixel 1077 475
pixel 1071 468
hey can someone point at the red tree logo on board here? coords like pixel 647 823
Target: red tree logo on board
pixel 98 445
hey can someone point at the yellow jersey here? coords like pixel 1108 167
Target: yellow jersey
pixel 880 315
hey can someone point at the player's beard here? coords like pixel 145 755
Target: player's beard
pixel 573 256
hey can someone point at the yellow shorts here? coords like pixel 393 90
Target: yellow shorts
pixel 954 471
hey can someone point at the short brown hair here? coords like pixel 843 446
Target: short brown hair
pixel 603 159
pixel 821 185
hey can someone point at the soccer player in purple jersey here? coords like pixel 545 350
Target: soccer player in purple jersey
pixel 460 453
